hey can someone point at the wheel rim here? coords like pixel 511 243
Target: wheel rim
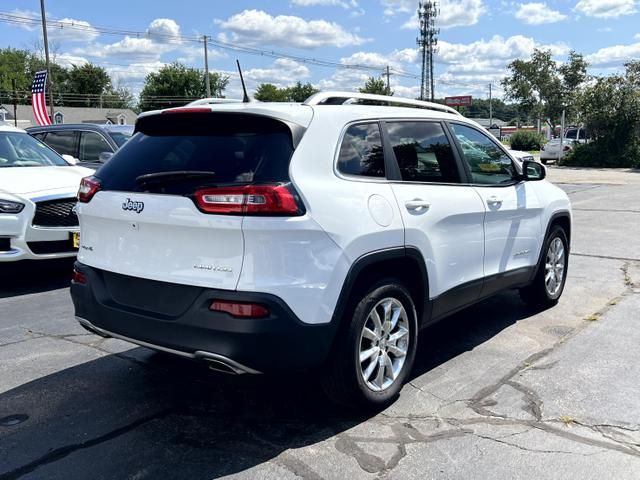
pixel 384 343
pixel 554 267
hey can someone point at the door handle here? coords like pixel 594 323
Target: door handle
pixel 417 205
pixel 493 200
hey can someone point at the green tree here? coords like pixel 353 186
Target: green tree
pixel 14 65
pixel 119 97
pixel 611 112
pixel 176 84
pixel 268 92
pixel 90 82
pixel 299 92
pixel 376 86
pixel 542 88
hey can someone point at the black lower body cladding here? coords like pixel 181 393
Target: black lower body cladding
pixel 177 317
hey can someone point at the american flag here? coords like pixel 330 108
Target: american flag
pixel 38 99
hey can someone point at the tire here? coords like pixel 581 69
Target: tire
pixel 544 161
pixel 542 293
pixel 344 376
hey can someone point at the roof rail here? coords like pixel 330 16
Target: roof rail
pixel 340 98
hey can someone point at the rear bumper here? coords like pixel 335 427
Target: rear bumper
pixel 176 319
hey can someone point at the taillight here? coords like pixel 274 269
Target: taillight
pixel 78 277
pixel 249 200
pixel 240 309
pixel 89 186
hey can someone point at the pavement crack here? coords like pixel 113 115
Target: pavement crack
pixel 527 449
pixel 62 452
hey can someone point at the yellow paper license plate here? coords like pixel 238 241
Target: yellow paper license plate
pixel 76 239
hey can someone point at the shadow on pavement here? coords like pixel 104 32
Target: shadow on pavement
pixel 141 414
pixel 34 276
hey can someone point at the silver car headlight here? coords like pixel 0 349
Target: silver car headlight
pixel 8 206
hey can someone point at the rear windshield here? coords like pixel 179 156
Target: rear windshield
pixel 219 148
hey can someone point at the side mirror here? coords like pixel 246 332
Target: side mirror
pixel 70 160
pixel 104 156
pixel 533 171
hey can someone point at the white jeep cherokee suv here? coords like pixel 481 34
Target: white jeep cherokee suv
pixel 261 236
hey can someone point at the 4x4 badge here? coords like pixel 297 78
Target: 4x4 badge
pixel 129 204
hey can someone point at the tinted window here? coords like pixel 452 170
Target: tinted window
pixel 234 148
pixel 22 150
pixel 92 145
pixel 62 142
pixel 120 137
pixel 488 163
pixel 583 134
pixel 361 151
pixel 571 134
pixel 423 152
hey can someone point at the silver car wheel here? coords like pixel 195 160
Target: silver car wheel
pixel 554 267
pixel 384 343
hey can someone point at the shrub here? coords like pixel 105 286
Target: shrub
pixel 527 141
pixel 599 154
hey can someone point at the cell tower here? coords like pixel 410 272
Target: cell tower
pixel 427 41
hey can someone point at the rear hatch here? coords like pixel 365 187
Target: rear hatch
pixel 170 204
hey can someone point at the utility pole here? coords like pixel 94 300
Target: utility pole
pixel 388 85
pixel 490 108
pixel 427 41
pixel 15 102
pixel 46 57
pixel 206 68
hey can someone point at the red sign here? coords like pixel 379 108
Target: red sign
pixel 464 101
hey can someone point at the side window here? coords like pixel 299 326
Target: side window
pixel 361 151
pixel 488 163
pixel 423 152
pixel 39 136
pixel 92 145
pixel 62 142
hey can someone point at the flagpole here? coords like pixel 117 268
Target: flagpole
pixel 46 57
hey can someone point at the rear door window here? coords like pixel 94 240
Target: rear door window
pixel 423 152
pixel 202 149
pixel 63 142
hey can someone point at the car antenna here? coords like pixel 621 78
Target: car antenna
pixel 245 98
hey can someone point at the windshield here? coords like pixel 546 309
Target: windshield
pixel 19 149
pixel 121 137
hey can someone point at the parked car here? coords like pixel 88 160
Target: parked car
pixel 553 151
pixel 37 195
pixel 521 156
pixel 91 144
pixel 268 237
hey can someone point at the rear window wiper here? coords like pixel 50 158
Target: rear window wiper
pixel 173 176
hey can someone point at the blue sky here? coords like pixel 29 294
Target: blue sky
pixel 478 38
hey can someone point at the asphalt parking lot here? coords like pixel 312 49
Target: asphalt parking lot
pixel 498 391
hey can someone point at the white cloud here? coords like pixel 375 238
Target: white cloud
pixel 538 14
pixel 637 36
pixel 453 13
pixel 256 27
pixel 282 73
pixel 496 49
pixel 161 29
pixel 69 60
pixel 71 30
pixel 606 8
pixel 326 3
pixel 615 55
pixel 24 19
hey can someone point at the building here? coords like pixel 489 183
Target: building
pixel 115 116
